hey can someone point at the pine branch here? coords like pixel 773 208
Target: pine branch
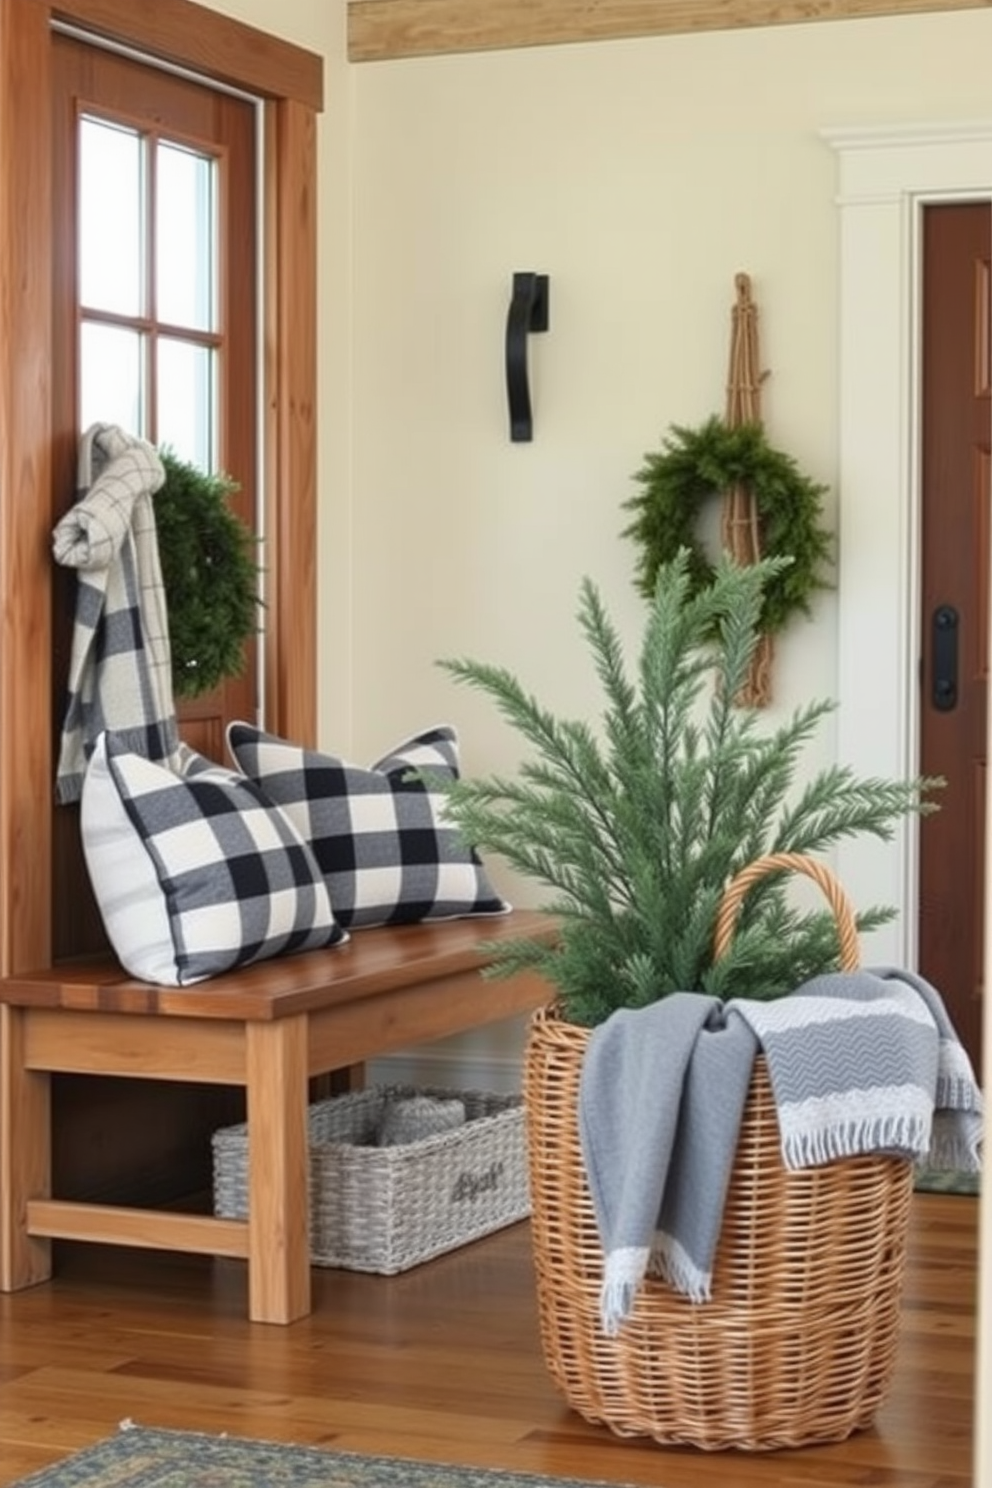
pixel 637 827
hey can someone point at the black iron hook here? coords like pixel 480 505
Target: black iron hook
pixel 528 312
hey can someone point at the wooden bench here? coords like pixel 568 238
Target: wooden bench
pixel 269 1028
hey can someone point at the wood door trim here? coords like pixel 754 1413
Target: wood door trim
pixel 188 35
pixel 290 329
pixel 381 29
pixel 26 763
pixel 26 725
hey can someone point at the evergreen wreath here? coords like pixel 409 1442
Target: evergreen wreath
pixel 210 576
pixel 695 464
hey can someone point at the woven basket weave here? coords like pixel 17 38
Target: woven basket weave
pixel 798 1343
pixel 385 1209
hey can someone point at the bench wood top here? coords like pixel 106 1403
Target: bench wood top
pixel 372 961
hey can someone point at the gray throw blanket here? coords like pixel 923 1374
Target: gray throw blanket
pixel 120 667
pixel 859 1062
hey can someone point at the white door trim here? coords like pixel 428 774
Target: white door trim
pixel 885 177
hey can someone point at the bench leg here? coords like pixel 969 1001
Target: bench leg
pixel 25 1157
pixel 278 1171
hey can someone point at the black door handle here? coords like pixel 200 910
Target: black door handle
pixel 944 629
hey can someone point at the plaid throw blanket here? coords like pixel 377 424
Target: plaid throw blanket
pixel 859 1062
pixel 120 668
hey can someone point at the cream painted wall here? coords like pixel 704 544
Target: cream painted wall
pixel 640 179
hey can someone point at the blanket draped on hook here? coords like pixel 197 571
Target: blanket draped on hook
pixel 120 667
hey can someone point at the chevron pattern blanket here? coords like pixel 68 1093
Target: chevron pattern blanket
pixel 859 1062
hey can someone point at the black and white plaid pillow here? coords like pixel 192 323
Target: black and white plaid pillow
pixel 380 838
pixel 194 870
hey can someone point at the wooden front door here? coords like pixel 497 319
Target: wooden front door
pixel 956 494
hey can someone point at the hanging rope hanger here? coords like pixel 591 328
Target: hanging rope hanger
pixel 740 524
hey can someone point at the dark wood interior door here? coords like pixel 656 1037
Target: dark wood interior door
pixel 957 431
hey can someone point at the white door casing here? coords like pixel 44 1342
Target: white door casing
pixel 886 176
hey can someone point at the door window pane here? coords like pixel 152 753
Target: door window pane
pixel 111 377
pixel 185 238
pixel 110 217
pixel 187 397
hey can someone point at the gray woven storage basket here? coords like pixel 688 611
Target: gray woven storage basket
pixel 385 1209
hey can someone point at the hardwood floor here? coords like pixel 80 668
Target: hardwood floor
pixel 441 1364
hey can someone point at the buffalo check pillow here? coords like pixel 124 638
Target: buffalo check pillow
pixel 193 870
pixel 380 837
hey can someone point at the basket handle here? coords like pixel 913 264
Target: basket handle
pixel 738 886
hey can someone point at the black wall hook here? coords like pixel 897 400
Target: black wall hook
pixel 528 312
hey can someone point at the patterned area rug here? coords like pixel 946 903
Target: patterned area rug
pixel 139 1458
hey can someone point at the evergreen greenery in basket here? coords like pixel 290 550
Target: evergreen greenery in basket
pixel 638 827
pixel 210 574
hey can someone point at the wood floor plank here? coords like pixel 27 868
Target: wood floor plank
pixel 442 1363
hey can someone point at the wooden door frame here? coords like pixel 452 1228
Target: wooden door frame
pixel 289 80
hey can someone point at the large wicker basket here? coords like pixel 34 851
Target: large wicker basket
pixel 798 1343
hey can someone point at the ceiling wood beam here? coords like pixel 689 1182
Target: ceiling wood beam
pixel 383 29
